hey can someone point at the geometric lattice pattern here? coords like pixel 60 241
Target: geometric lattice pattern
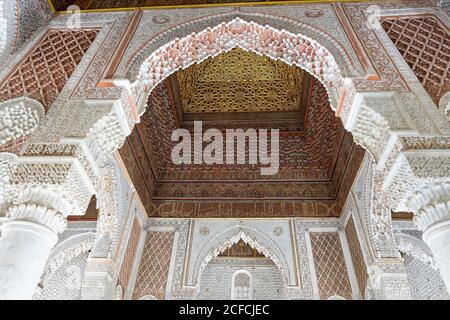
pixel 130 254
pixel 154 267
pixel 425 282
pixel 331 272
pixel 46 69
pixel 424 44
pixel 66 281
pixel 357 256
pixel 240 81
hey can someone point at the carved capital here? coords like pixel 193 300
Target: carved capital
pixel 58 183
pixel 417 162
pixel 99 281
pixel 430 203
pixel 38 214
pixel 369 128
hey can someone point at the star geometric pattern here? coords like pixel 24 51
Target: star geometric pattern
pixel 154 267
pixel 331 272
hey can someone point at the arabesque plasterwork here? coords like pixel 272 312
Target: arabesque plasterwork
pixel 407 137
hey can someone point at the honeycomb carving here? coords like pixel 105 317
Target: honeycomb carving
pixel 240 81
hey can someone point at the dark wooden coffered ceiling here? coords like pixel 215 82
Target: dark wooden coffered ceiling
pixel 62 5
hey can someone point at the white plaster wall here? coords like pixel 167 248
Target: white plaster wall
pixel 216 280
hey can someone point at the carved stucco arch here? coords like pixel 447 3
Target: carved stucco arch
pixel 416 248
pixel 255 238
pixel 67 250
pixel 293 49
pixel 199 24
pixel 369 128
pixel 110 212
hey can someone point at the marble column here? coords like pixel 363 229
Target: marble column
pixel 25 244
pixel 437 237
pixel 432 216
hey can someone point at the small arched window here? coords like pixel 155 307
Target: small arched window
pixel 241 287
pixel 336 297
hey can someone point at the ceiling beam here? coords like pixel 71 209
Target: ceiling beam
pixel 54 5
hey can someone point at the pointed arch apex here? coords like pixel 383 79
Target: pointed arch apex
pixel 282 45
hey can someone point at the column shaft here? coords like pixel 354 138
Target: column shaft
pixel 24 249
pixel 437 237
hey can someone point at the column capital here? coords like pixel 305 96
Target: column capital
pixel 430 203
pixel 57 183
pixel 37 214
pixel 99 280
pixel 414 165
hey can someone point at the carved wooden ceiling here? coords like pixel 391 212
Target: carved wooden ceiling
pixel 61 5
pixel 240 81
pixel 241 86
pixel 318 159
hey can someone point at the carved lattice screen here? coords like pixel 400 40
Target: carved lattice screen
pixel 425 45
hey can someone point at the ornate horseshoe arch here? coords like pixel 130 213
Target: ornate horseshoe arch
pixel 369 128
pixel 67 249
pixel 227 238
pixel 293 49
